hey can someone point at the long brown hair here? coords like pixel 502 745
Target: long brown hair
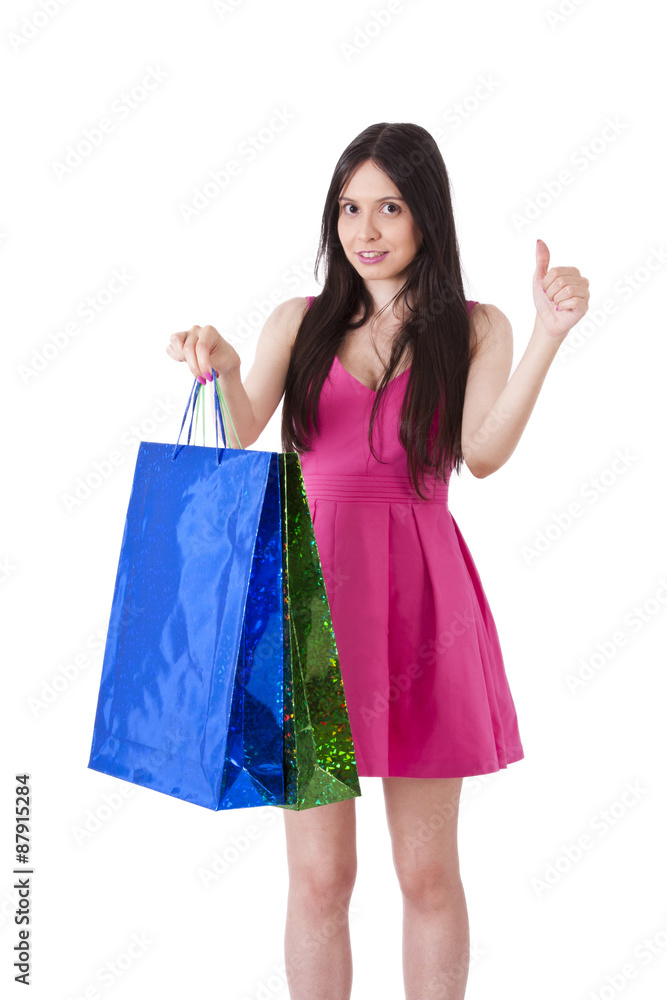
pixel 437 330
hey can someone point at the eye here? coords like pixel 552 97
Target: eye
pixel 392 204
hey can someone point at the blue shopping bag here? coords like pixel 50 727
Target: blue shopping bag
pixel 220 680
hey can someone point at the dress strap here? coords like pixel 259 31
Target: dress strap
pixel 311 299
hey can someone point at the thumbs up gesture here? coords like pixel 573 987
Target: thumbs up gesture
pixel 561 294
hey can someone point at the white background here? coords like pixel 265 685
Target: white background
pixel 552 86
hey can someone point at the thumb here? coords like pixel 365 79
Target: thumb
pixel 542 257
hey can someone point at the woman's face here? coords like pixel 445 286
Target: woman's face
pixel 373 217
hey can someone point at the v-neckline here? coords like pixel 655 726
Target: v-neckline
pixel 363 384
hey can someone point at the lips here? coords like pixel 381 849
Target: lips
pixel 375 258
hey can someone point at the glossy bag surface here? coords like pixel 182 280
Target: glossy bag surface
pixel 220 682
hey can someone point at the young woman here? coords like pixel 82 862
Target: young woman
pixel 391 380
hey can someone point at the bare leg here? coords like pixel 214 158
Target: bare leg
pixel 322 863
pixel 422 814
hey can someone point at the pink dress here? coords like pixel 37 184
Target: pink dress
pixel 422 668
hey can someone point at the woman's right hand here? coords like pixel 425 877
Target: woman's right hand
pixel 204 350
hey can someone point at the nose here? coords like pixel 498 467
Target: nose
pixel 367 230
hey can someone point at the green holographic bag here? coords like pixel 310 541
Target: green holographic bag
pixel 320 764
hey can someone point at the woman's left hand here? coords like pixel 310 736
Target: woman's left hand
pixel 561 294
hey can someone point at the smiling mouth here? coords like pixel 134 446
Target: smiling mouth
pixel 371 253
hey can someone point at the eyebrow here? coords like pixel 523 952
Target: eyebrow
pixel 392 197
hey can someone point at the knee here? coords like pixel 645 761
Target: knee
pixel 325 884
pixel 428 885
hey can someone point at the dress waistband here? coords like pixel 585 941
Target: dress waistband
pixel 324 486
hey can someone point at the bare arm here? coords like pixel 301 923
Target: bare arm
pixel 251 403
pixel 264 385
pixel 496 410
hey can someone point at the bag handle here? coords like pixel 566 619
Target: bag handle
pixel 195 398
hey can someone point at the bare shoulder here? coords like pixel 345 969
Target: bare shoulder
pixel 491 329
pixel 283 323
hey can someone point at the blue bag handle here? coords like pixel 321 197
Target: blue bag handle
pixel 192 399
